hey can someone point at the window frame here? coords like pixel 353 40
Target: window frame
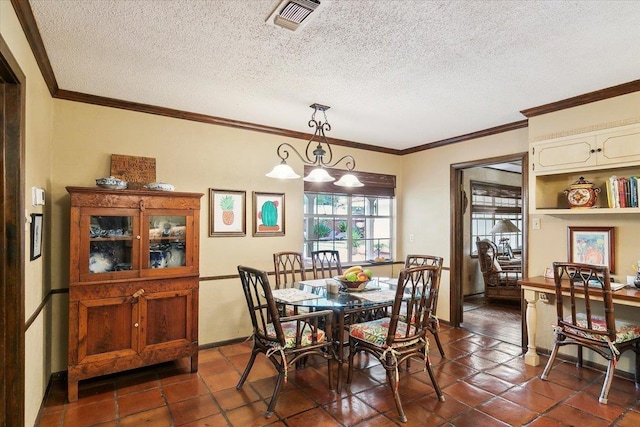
pixel 312 218
pixel 494 212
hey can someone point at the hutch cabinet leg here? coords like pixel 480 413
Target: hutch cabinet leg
pixel 194 363
pixel 72 391
pixel 531 357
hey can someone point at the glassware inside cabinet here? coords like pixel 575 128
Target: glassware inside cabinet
pixel 167 236
pixel 110 243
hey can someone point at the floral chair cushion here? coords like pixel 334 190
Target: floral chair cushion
pixel 624 331
pixel 376 331
pixel 289 330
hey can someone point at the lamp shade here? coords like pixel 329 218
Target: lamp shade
pixel 319 175
pixel 283 171
pixel 348 180
pixel 504 226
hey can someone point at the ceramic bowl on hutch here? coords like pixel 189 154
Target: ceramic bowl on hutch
pixel 159 186
pixel 582 194
pixel 112 183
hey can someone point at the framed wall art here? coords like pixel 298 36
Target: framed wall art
pixel 592 245
pixel 227 213
pixel 36 236
pixel 268 214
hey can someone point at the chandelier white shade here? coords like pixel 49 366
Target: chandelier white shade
pixel 349 180
pixel 319 175
pixel 283 171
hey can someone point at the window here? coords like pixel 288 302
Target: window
pixel 359 227
pixel 491 203
pixel 357 222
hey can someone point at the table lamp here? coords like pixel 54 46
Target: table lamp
pixel 504 226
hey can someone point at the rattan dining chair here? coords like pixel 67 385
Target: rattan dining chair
pixel 284 340
pixel 393 341
pixel 289 268
pixel 326 264
pixel 582 327
pixel 434 323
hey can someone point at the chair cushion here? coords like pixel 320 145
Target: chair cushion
pixel 624 331
pixel 376 331
pixel 289 330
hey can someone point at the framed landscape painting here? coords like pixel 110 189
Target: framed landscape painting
pixel 592 245
pixel 227 213
pixel 268 214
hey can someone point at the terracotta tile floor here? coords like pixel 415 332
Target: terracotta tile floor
pixel 485 382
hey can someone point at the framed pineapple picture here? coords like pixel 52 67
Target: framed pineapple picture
pixel 227 213
pixel 268 214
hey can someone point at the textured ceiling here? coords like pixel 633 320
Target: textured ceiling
pixel 396 73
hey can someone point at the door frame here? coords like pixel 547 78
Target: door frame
pixel 457 245
pixel 12 237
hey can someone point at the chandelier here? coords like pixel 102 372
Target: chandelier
pixel 321 156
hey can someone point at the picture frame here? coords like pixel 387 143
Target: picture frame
pixel 227 213
pixel 592 245
pixel 268 214
pixel 36 235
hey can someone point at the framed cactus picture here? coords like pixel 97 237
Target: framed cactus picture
pixel 227 213
pixel 268 214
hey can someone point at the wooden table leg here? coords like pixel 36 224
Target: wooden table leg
pixel 531 357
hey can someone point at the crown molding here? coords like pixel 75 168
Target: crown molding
pixel 586 98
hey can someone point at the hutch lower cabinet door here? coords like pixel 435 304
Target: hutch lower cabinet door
pixel 133 292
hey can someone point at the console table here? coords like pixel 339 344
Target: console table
pixel 532 287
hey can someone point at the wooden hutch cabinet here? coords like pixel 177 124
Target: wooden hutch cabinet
pixel 134 277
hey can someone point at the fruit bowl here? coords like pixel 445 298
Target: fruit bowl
pixel 351 286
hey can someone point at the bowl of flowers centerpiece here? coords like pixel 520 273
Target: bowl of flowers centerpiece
pixel 354 278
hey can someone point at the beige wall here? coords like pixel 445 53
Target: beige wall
pixel 549 243
pixel 425 204
pixel 38 123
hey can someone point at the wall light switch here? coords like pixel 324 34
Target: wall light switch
pixel 412 237
pixel 535 223
pixel 37 196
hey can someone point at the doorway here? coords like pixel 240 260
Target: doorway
pixel 461 253
pixel 12 232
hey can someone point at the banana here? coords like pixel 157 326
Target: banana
pixel 354 269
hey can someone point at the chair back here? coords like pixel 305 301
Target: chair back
pixel 422 260
pixel 583 280
pixel 487 255
pixel 262 307
pixel 289 267
pixel 326 264
pixel 415 297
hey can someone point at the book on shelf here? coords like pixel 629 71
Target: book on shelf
pixel 622 192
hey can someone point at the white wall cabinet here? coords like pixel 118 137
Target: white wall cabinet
pixel 619 147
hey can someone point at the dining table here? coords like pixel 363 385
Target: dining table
pixel 365 304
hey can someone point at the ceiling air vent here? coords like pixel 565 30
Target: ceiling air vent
pixel 293 14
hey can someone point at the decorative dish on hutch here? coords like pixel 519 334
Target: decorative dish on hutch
pixel 159 186
pixel 112 183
